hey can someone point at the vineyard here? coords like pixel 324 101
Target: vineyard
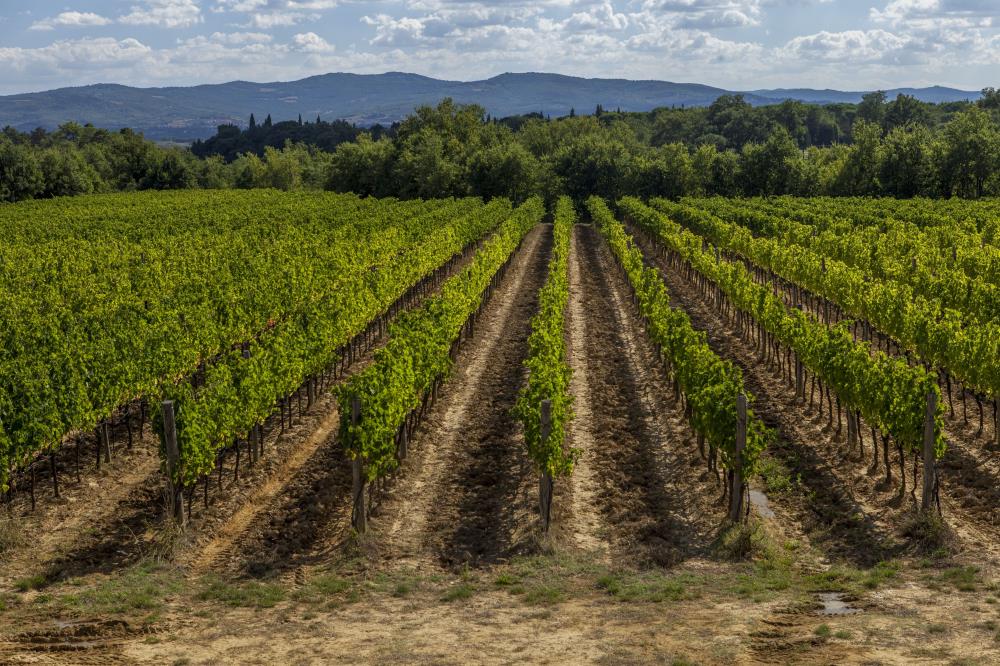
pixel 750 408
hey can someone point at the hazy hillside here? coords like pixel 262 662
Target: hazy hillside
pixel 194 112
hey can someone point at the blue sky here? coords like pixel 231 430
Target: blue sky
pixel 737 44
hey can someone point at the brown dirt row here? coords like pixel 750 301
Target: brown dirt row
pixel 836 503
pixel 641 471
pixel 465 493
pixel 575 519
pixel 969 472
pixel 93 525
pixel 852 510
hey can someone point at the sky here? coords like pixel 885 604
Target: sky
pixel 735 44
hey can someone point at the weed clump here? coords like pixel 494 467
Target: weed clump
pixel 741 541
pixel 928 532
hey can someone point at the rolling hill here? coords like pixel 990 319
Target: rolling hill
pixel 187 113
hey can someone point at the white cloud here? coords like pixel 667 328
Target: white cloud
pixel 277 20
pixel 310 42
pixel 247 6
pixel 164 13
pixel 70 19
pixel 235 38
pixel 77 54
pixel 937 13
pixel 857 46
pixel 704 14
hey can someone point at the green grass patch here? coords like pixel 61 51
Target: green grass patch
pixel 327 587
pixel 823 631
pixel 963 579
pixel 141 588
pixel 252 594
pixel 766 577
pixel 843 634
pixel 776 476
pixel 650 586
pixel 30 583
pixel 506 579
pixel 544 594
pixel 399 583
pixel 850 580
pixel 459 592
pixel 548 578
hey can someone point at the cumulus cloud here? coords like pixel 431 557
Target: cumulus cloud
pixel 936 13
pixel 77 54
pixel 70 19
pixel 164 13
pixel 310 42
pixel 704 14
pixel 860 46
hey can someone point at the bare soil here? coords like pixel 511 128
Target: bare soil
pixel 465 493
pixel 455 570
pixel 640 471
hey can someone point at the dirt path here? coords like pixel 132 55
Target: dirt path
pixel 648 483
pixel 969 472
pixel 836 502
pixel 298 513
pixel 575 502
pixel 465 494
pixel 94 525
pixel 235 531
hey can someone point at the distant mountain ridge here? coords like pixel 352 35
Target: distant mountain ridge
pixel 187 113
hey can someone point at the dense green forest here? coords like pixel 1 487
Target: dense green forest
pixel 899 148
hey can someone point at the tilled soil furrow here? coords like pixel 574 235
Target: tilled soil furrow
pixel 98 523
pixel 575 508
pixel 466 491
pixel 298 511
pixel 969 471
pixel 832 511
pixel 650 490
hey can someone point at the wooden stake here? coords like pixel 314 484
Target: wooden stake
pixel 175 497
pixel 852 430
pixel 545 483
pixel 929 468
pixel 55 473
pixel 359 516
pixel 736 496
pixel 107 442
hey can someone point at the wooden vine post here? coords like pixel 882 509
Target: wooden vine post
pixel 359 516
pixel 252 435
pixel 930 474
pixel 545 483
pixel 175 497
pixel 800 374
pixel 852 430
pixel 736 496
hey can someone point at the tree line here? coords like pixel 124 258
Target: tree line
pixel 899 148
